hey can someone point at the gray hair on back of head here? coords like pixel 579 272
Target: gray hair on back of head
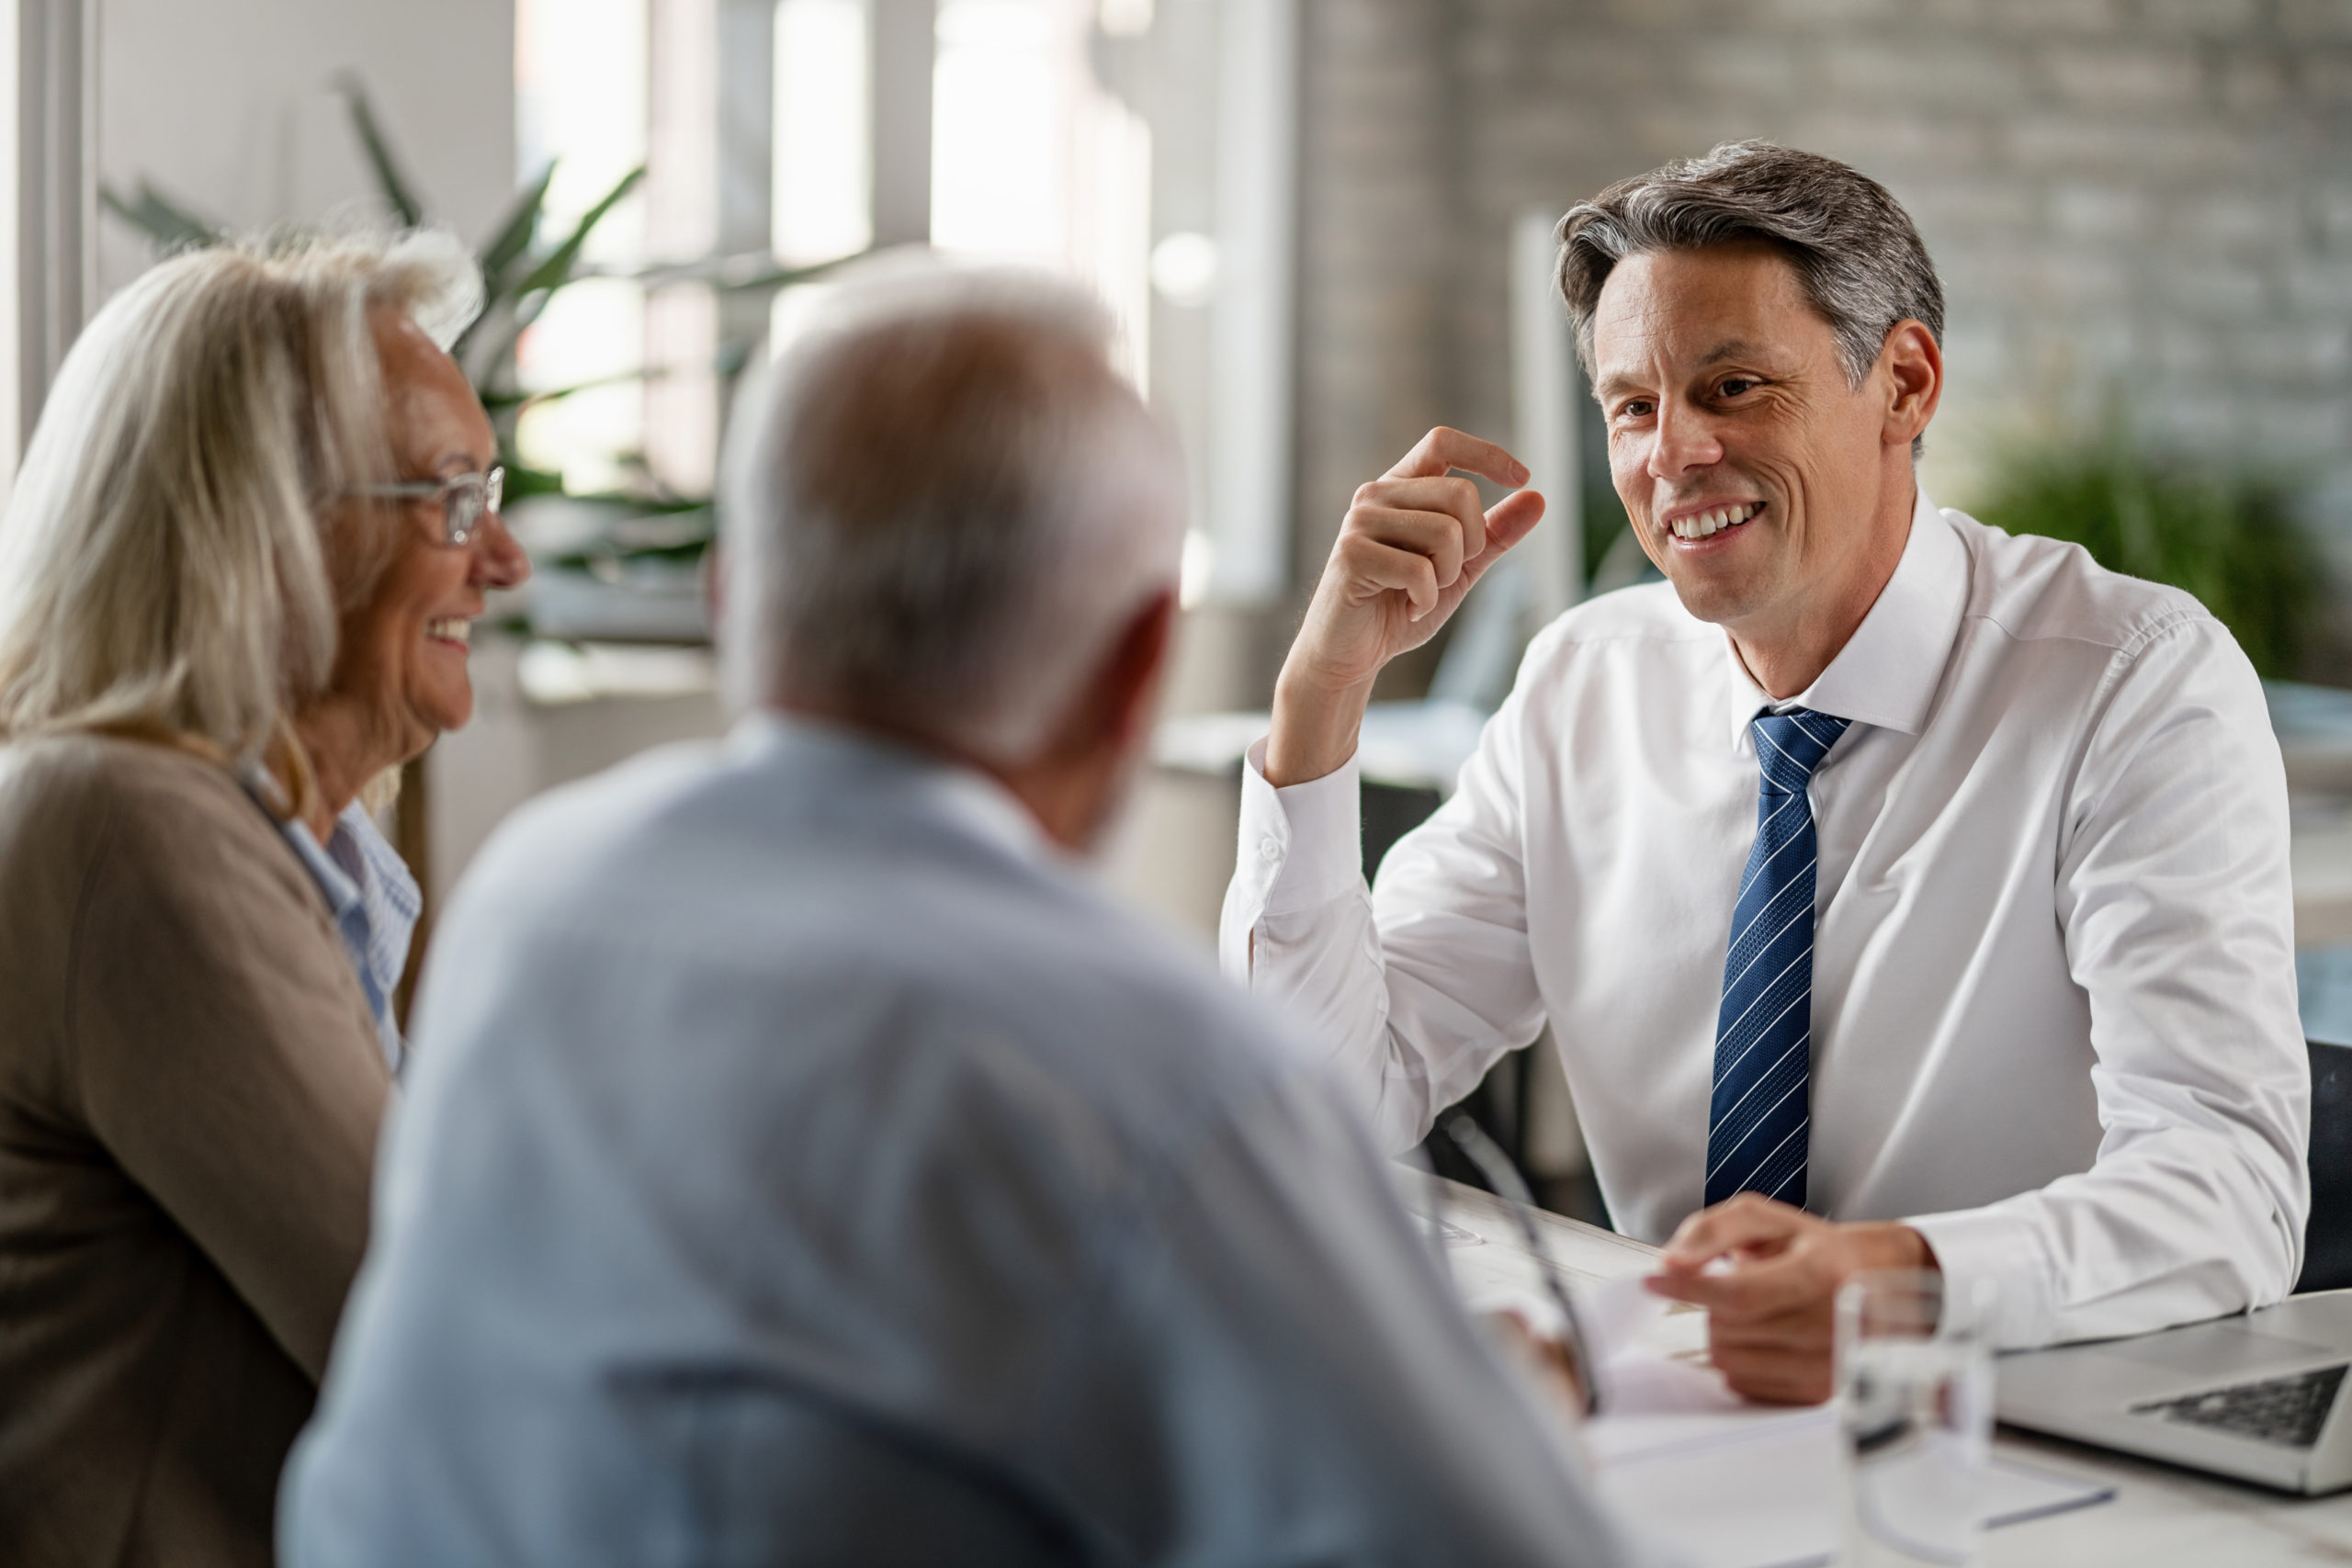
pixel 176 552
pixel 1857 255
pixel 941 506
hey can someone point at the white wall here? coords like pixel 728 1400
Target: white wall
pixel 225 103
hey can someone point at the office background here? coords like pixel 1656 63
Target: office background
pixel 1312 219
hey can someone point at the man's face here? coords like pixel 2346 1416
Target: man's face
pixel 1751 471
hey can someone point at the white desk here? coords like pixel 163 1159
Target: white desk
pixel 2159 1516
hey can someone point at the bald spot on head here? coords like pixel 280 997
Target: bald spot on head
pixel 948 503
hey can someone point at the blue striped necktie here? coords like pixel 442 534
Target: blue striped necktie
pixel 1757 1124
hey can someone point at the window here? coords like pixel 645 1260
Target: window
pixel 581 90
pixel 1140 148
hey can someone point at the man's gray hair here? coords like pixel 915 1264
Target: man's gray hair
pixel 941 508
pixel 1857 257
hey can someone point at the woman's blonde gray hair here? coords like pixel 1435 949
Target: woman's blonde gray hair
pixel 176 552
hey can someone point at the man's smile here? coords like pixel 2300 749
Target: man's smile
pixel 1709 521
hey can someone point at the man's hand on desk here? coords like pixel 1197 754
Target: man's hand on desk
pixel 1771 1313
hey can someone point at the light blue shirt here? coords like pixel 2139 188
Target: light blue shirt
pixel 374 899
pixel 803 1164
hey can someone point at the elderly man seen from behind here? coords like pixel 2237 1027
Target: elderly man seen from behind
pixel 1900 893
pixel 804 1164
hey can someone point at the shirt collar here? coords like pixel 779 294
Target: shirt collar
pixel 371 894
pixel 1888 671
pixel 969 798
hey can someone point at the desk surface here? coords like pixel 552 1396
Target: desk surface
pixel 2159 1516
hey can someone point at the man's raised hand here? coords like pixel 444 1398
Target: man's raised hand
pixel 1413 543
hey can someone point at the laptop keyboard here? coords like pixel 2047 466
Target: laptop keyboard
pixel 2288 1410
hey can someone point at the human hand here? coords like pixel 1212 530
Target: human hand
pixel 1544 1358
pixel 1413 543
pixel 1768 1275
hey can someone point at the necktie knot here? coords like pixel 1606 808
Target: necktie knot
pixel 1789 746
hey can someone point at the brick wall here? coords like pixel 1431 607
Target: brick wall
pixel 2145 197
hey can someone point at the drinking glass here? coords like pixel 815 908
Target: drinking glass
pixel 1915 1394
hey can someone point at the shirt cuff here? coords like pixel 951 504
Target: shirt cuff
pixel 1302 845
pixel 1995 1276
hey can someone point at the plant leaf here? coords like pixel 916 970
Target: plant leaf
pixel 389 178
pixel 500 401
pixel 747 271
pixel 514 232
pixel 523 479
pixel 556 270
pixel 168 225
pixel 2229 537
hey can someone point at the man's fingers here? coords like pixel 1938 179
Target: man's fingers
pixel 1754 1289
pixel 1548 1357
pixel 1379 566
pixel 1432 535
pixel 1777 1377
pixel 1446 496
pixel 1512 519
pixel 1748 1221
pixel 1445 449
pixel 1802 1331
pixel 1370 554
pixel 1783 1358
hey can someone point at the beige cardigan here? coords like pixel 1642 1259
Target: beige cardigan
pixel 190 1084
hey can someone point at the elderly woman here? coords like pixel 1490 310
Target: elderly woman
pixel 236 578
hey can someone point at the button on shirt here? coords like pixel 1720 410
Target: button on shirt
pixel 2053 996
pixel 802 1164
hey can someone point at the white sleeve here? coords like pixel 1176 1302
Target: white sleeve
pixel 2173 890
pixel 1413 991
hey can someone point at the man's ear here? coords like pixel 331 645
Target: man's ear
pixel 1916 369
pixel 1128 685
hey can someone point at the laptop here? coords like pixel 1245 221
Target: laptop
pixel 2259 1397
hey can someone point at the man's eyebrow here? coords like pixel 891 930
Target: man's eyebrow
pixel 1733 348
pixel 1609 385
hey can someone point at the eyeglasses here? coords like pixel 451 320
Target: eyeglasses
pixel 1512 1188
pixel 465 500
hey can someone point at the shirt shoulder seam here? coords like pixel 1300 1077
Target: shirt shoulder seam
pixel 2127 648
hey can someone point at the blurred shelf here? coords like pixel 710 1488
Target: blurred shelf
pixel 557 674
pixel 633 601
pixel 1405 745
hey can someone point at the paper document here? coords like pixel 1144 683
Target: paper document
pixel 1726 1484
pixel 1756 1488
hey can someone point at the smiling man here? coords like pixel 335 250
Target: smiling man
pixel 1899 892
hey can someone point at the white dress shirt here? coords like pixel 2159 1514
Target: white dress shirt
pixel 801 1163
pixel 2053 993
